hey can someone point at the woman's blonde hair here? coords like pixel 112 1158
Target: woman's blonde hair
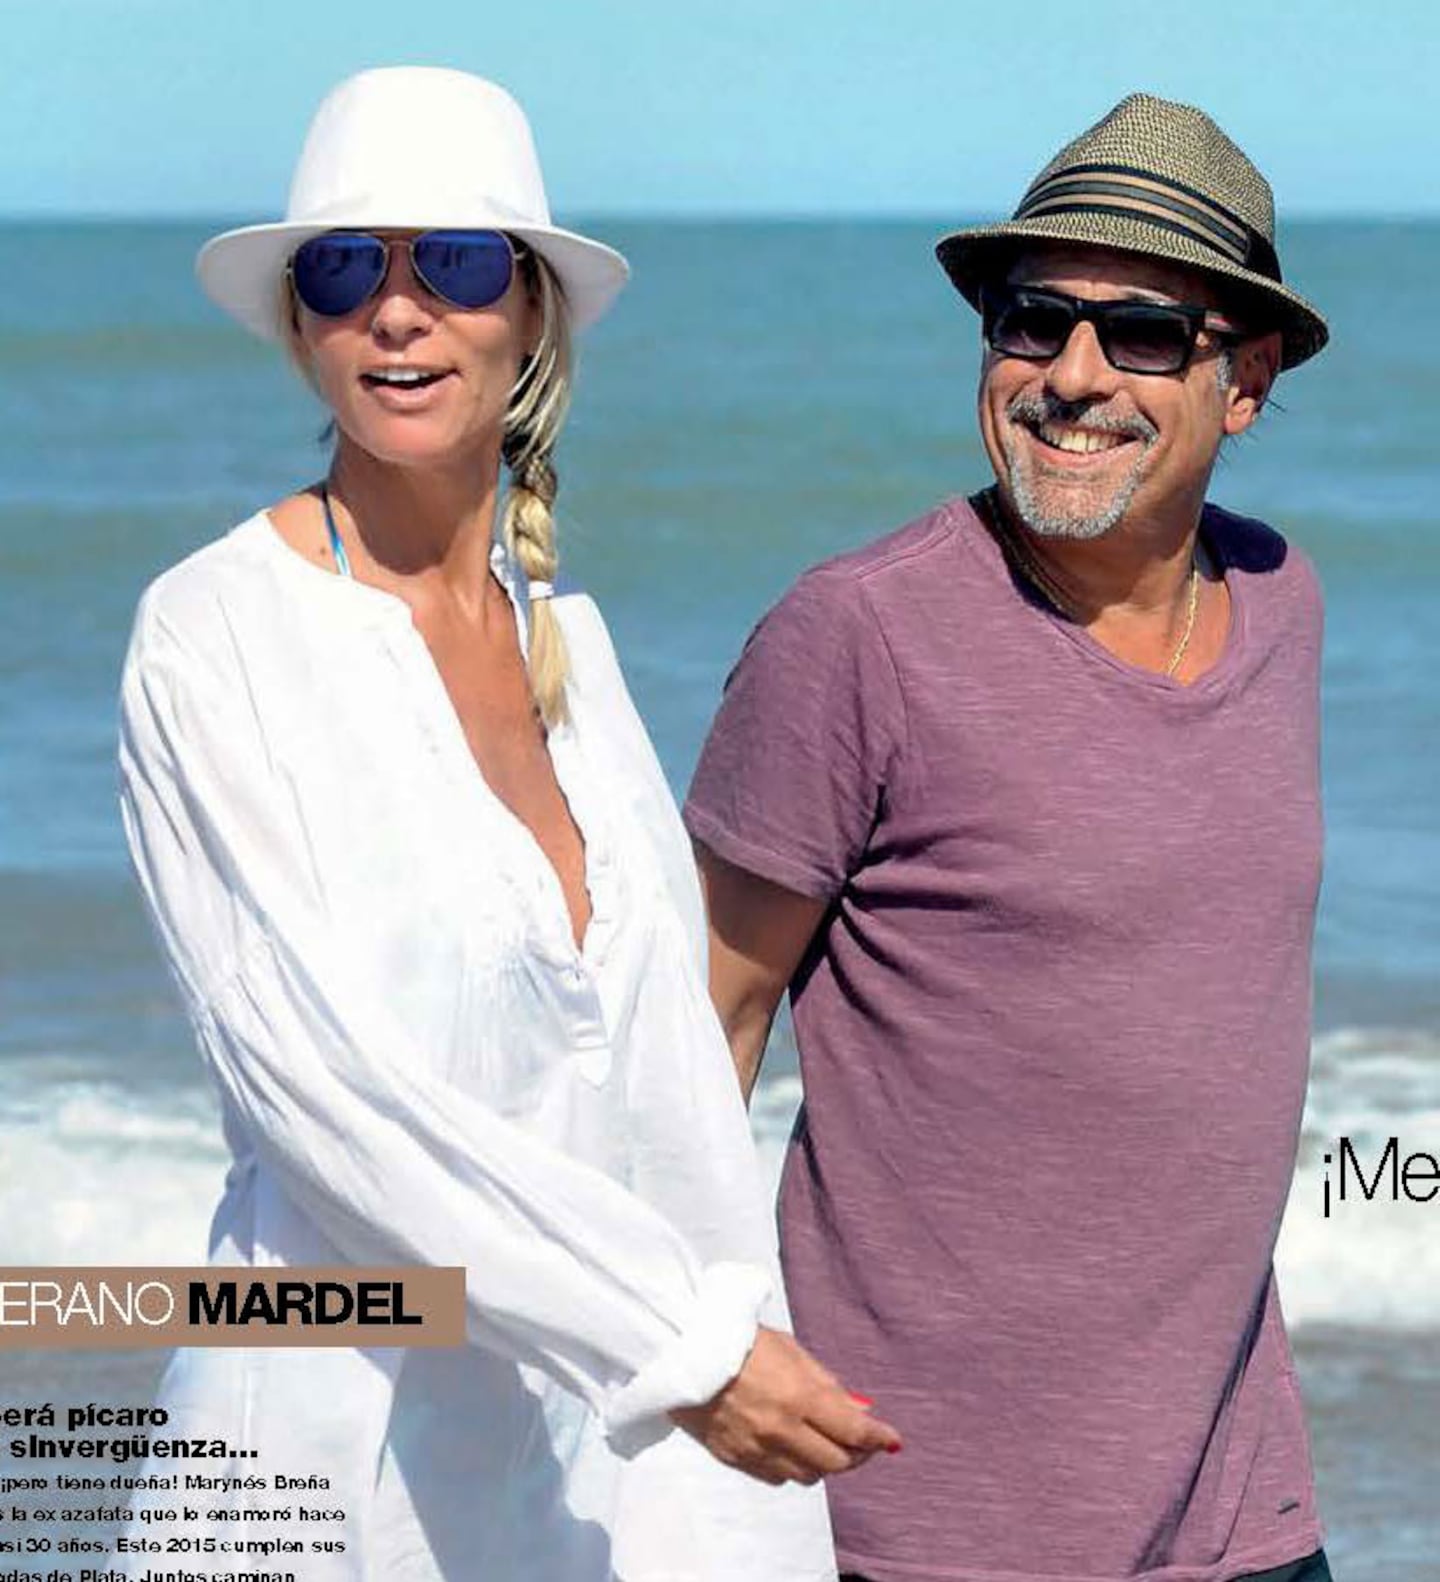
pixel 533 420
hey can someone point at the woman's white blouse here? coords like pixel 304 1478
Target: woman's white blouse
pixel 417 1065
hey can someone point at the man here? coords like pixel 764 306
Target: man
pixel 1021 803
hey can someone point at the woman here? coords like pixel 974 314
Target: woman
pixel 433 916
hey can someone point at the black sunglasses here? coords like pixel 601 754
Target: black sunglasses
pixel 1136 337
pixel 333 274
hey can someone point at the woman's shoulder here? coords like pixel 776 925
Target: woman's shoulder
pixel 188 589
pixel 583 624
pixel 595 671
pixel 211 596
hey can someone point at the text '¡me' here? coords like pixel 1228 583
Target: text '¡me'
pixel 1415 1178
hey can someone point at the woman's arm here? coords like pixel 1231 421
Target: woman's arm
pixel 566 1269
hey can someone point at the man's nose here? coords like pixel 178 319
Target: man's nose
pixel 1080 369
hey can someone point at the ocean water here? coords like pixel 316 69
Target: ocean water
pixel 764 396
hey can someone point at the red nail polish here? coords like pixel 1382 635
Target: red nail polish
pixel 863 1400
pixel 895 1449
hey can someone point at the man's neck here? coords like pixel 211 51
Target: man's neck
pixel 1151 598
pixel 1140 566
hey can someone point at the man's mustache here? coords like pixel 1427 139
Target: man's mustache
pixel 1036 409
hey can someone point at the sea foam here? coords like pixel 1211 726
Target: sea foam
pixel 93 1174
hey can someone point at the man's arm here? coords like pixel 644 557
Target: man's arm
pixel 758 933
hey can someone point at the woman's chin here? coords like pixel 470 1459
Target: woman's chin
pixel 415 445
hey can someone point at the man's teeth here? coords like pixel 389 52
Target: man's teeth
pixel 1081 440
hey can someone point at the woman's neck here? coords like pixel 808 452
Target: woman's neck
pixel 418 526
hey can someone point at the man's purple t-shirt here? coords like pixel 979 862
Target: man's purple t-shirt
pixel 1054 1035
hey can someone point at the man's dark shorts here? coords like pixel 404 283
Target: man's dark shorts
pixel 1313 1568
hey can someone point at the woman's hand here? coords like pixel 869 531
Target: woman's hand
pixel 784 1418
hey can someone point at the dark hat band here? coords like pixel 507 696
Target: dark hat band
pixel 1144 195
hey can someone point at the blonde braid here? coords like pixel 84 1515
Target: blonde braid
pixel 532 427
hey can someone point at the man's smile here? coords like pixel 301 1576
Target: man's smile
pixel 1062 438
pixel 1076 440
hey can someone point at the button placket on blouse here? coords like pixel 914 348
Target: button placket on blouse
pixel 522 860
pixel 571 768
pixel 584 966
pixel 621 893
pixel 523 868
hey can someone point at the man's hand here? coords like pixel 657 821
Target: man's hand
pixel 758 933
pixel 783 1418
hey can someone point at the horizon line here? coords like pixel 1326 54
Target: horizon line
pixel 941 218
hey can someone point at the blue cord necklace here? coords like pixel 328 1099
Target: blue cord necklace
pixel 342 560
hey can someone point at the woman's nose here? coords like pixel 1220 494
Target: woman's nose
pixel 402 308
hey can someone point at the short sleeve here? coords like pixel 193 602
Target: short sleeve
pixel 792 778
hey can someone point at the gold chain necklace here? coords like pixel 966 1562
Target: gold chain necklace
pixel 1018 553
pixel 1194 605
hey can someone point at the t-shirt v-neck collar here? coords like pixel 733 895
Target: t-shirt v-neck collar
pixel 1204 686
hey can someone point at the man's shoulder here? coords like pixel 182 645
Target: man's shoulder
pixel 1272 566
pixel 848 614
pixel 904 555
pixel 879 595
pixel 885 580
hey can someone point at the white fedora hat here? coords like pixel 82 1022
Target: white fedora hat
pixel 410 148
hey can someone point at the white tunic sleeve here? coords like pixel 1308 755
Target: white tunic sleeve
pixel 565 1268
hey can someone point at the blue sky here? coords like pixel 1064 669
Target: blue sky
pixel 176 107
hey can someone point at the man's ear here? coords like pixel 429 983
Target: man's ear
pixel 1254 365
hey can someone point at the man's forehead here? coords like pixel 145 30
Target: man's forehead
pixel 1063 265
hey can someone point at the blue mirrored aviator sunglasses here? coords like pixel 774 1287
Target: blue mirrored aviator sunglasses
pixel 333 274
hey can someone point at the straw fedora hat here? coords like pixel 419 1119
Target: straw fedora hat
pixel 1162 180
pixel 410 148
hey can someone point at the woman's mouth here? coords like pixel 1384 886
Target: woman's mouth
pixel 407 388
pixel 402 378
